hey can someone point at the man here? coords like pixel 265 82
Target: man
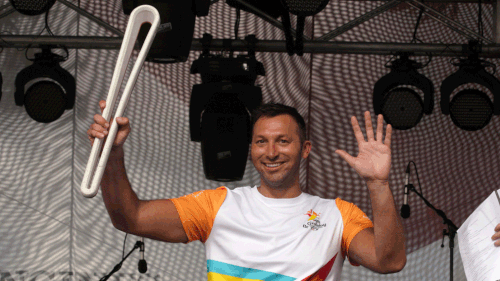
pixel 273 231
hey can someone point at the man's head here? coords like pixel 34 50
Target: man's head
pixel 278 138
pixel 275 109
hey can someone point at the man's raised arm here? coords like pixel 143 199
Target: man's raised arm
pixel 155 219
pixel 381 248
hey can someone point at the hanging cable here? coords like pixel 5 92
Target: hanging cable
pixel 480 21
pixel 416 26
pixel 124 240
pixel 236 28
pixel 415 39
pixel 52 34
pixel 237 23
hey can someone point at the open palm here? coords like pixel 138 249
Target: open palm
pixel 373 162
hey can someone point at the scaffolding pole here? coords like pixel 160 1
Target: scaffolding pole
pixel 275 46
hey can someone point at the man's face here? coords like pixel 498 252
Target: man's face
pixel 276 150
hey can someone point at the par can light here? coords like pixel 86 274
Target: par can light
pixel 45 88
pixel 393 97
pixel 470 109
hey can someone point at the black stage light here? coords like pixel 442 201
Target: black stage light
pixel 219 112
pixel 32 7
pixel 401 106
pixel 302 9
pixel 45 88
pixel 470 109
pixel 172 42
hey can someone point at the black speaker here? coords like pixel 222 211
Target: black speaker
pixel 170 44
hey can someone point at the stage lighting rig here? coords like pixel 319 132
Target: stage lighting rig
pixel 45 88
pixel 471 109
pixel 401 106
pixel 220 108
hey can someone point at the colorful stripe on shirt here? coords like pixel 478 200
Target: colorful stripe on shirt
pixel 220 271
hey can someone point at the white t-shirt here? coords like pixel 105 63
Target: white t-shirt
pixel 248 236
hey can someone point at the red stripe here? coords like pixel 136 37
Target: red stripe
pixel 323 272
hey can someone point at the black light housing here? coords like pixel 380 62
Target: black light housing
pixel 172 42
pixel 32 7
pixel 470 109
pixel 401 106
pixel 302 9
pixel 220 108
pixel 50 88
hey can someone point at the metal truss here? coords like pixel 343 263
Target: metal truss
pixel 318 45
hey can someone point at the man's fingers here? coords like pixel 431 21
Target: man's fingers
pixel 497 228
pixel 101 121
pixel 97 134
pixel 123 122
pixel 98 127
pixel 369 126
pixel 102 105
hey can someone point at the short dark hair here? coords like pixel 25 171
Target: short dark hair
pixel 275 109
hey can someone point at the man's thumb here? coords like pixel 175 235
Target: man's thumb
pixel 344 155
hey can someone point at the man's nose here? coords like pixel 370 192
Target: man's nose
pixel 271 151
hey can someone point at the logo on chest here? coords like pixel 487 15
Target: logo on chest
pixel 313 221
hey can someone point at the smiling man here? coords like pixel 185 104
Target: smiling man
pixel 273 231
pixel 278 144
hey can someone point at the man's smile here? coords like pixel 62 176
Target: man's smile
pixel 273 166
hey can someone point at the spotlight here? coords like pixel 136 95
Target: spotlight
pixel 32 7
pixel 470 109
pixel 45 88
pixel 301 9
pixel 401 106
pixel 219 110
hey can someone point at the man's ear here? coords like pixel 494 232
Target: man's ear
pixel 306 149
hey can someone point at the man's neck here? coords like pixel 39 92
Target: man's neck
pixel 290 192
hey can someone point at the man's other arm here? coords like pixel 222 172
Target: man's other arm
pixel 381 248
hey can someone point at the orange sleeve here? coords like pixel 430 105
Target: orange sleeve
pixel 354 221
pixel 198 210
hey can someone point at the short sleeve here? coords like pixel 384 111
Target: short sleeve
pixel 354 221
pixel 197 212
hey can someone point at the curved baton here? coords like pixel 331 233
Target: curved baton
pixel 140 15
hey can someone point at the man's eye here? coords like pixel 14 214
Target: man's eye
pixel 260 141
pixel 284 141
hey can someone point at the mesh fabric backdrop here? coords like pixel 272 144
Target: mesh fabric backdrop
pixel 50 232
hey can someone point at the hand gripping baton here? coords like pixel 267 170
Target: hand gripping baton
pixel 140 15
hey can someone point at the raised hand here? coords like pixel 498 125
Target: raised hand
pixel 100 130
pixel 373 162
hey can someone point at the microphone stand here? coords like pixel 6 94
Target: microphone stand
pixel 452 228
pixel 117 267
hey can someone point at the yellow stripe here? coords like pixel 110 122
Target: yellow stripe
pixel 212 276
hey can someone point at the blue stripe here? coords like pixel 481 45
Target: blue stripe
pixel 245 272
